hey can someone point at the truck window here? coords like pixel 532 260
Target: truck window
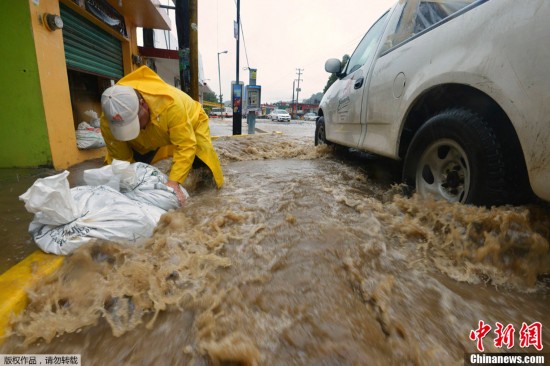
pixel 364 53
pixel 432 12
pixel 418 15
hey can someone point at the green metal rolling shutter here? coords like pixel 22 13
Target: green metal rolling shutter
pixel 89 48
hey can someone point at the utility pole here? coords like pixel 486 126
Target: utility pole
pixel 182 25
pixel 237 109
pixel 293 87
pixel 194 46
pixel 186 26
pixel 298 88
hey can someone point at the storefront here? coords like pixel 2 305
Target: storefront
pixel 60 56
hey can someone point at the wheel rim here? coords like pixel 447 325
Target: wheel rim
pixel 443 172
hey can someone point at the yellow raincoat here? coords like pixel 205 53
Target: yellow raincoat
pixel 175 119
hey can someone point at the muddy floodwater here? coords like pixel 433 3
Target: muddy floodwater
pixel 304 257
pixel 14 219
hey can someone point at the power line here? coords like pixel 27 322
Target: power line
pixel 244 44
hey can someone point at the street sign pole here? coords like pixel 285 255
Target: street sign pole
pixel 237 88
pixel 251 117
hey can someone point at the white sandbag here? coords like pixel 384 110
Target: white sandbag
pixel 111 175
pixel 125 172
pixel 50 200
pixel 88 137
pixel 93 118
pixel 138 181
pixel 122 201
pixel 98 212
pixel 150 187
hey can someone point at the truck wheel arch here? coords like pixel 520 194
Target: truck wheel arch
pixel 442 97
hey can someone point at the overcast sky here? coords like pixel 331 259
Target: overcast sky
pixel 281 36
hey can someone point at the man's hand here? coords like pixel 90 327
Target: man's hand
pixel 177 190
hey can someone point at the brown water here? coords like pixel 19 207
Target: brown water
pixel 301 259
pixel 14 219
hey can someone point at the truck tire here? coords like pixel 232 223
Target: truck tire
pixel 320 135
pixel 455 156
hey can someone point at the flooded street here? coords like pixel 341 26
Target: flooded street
pixel 304 257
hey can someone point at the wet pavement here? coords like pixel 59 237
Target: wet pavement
pixel 305 257
pixel 14 219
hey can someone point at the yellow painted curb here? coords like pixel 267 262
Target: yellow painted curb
pixel 15 282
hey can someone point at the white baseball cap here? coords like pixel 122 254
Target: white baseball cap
pixel 121 106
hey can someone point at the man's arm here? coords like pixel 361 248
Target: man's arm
pixel 177 190
pixel 182 137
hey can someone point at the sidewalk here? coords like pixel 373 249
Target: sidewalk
pixel 219 127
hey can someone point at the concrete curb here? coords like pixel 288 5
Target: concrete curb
pixel 16 281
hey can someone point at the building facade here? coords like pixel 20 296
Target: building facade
pixel 58 57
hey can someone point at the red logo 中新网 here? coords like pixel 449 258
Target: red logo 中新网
pixel 529 335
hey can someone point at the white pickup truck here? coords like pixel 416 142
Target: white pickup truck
pixel 459 90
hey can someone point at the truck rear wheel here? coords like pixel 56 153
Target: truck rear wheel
pixel 320 135
pixel 455 156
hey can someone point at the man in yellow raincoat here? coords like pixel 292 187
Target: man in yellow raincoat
pixel 142 113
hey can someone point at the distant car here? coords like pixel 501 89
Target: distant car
pixel 280 115
pixel 310 117
pixel 467 111
pixel 221 112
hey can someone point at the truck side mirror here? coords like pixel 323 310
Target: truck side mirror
pixel 333 65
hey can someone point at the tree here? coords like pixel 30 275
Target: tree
pixel 314 99
pixel 333 77
pixel 210 97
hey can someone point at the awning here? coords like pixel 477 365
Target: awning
pixel 143 13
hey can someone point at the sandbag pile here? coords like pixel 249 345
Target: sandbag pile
pixel 121 202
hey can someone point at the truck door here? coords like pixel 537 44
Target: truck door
pixel 400 61
pixel 347 129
